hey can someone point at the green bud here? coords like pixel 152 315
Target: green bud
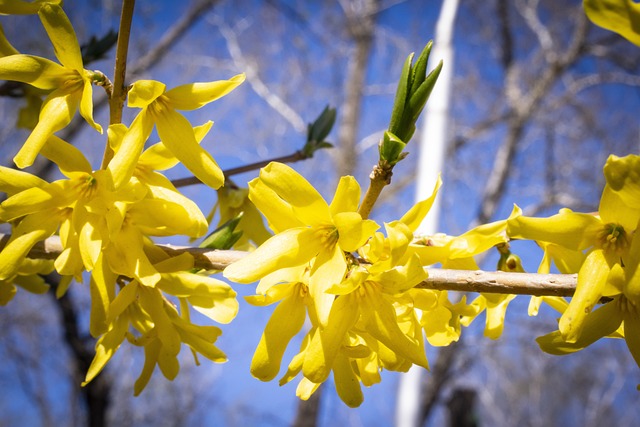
pixel 318 131
pixel 391 149
pixel 225 236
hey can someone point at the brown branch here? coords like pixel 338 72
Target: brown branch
pixel 498 282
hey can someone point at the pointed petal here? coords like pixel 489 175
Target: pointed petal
pixel 592 278
pixel 144 92
pixel 177 135
pixel 57 111
pixel 413 218
pixel 285 322
pixel 632 333
pixel 195 95
pixel 158 156
pixel 151 351
pixel 381 322
pixel 38 72
pixel 151 300
pixel 106 347
pixel 598 324
pixel 86 105
pixel 308 205
pixel 347 197
pixel 614 209
pixel 13 181
pixel 32 229
pixel 328 269
pixel 62 35
pixel 325 345
pixel 290 248
pixel 347 383
pixel 124 161
pixel 569 229
pixel 353 231
pixel 66 156
pixel 278 212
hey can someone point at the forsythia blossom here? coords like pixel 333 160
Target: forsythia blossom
pixel 105 218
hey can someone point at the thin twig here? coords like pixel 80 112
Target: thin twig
pixel 289 158
pixel 116 101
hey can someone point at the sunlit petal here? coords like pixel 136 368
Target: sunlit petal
pixel 62 35
pixel 178 136
pixel 195 95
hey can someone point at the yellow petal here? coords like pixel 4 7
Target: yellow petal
pixel 38 72
pixel 32 229
pixel 598 324
pixel 178 136
pixel 569 229
pixel 308 205
pixel 288 249
pixel 151 352
pixel 632 333
pixel 144 92
pixel 381 322
pixel 62 35
pixel 6 48
pixel 437 326
pixel 168 364
pixel 353 231
pixel 278 212
pixel 285 322
pixel 328 269
pixel 162 217
pixel 306 388
pixel 622 17
pixel 152 302
pixel 66 156
pixel 496 311
pixel 419 211
pixel 614 209
pixel 19 7
pixel 57 111
pixel 13 181
pixel 158 157
pixel 86 105
pixel 124 161
pixel 106 347
pixel 592 278
pixel 347 383
pixel 126 256
pixel 324 345
pixel 347 197
pixel 195 95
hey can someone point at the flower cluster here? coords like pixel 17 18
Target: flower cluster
pixel 604 250
pixel 106 217
pixel 355 285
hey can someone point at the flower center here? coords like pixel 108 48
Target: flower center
pixel 613 238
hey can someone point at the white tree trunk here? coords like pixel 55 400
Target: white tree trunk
pixel 433 143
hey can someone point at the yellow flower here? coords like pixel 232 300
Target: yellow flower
pixel 309 231
pixel 159 107
pixel 160 328
pixel 606 236
pixel 69 82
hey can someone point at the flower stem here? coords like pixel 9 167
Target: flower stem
pixel 380 177
pixel 116 102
